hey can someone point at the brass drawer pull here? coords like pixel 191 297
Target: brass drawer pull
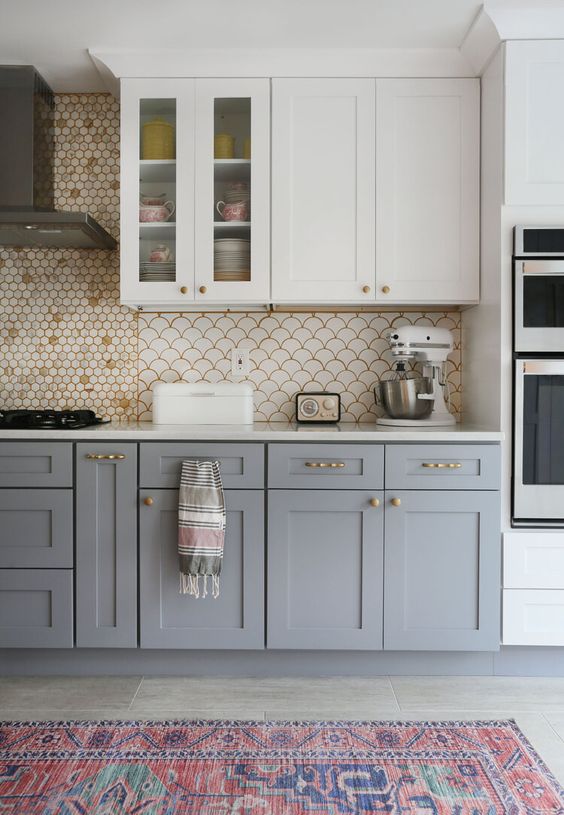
pixel 106 457
pixel 442 466
pixel 333 465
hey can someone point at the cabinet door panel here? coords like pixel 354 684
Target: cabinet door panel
pixel 442 571
pixel 239 108
pixel 534 127
pixel 36 529
pixel 322 189
pixel 156 172
pixel 170 619
pixel 324 570
pixel 36 608
pixel 106 546
pixel 427 190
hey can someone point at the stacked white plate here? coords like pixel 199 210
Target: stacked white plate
pixel 157 272
pixel 232 259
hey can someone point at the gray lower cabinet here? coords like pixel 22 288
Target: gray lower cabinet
pixel 442 571
pixel 36 529
pixel 106 545
pixel 36 608
pixel 170 619
pixel 325 569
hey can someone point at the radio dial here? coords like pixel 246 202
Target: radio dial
pixel 310 407
pixel 328 403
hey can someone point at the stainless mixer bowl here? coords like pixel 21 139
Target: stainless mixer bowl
pixel 399 399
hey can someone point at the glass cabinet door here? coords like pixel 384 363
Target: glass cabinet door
pixel 232 191
pixel 157 184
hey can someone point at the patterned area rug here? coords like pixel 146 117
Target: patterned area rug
pixel 273 768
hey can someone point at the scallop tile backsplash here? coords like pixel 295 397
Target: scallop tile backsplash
pixel 67 342
pixel 346 353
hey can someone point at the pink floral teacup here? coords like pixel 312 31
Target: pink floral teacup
pixel 152 214
pixel 236 211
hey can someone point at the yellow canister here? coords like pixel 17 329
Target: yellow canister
pixel 158 140
pixel 224 146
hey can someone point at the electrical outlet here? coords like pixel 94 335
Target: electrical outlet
pixel 240 361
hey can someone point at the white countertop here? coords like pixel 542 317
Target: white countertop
pixel 263 431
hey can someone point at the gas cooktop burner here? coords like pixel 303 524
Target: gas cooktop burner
pixel 48 419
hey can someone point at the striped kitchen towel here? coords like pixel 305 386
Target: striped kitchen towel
pixel 201 526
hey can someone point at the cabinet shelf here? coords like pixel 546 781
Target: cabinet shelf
pixel 157 170
pixel 157 231
pixel 232 169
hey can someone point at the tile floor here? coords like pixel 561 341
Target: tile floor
pixel 537 704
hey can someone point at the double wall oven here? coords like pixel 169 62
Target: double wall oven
pixel 538 443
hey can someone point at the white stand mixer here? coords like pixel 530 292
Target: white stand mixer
pixel 430 346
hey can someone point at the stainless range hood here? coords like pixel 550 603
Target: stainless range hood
pixel 27 214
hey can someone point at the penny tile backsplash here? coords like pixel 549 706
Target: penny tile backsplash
pixel 67 342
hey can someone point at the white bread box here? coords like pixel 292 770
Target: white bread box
pixel 202 403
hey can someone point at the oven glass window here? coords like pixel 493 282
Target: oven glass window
pixel 543 429
pixel 543 301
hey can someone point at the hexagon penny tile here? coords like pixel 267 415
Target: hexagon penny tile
pixel 344 352
pixel 67 342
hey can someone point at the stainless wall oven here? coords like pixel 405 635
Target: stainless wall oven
pixel 538 336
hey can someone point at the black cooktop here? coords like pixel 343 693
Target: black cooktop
pixel 48 419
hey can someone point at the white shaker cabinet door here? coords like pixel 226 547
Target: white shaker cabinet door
pixel 534 123
pixel 323 190
pixel 427 190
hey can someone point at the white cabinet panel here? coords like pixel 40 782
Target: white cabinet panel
pixel 534 124
pixel 533 617
pixel 323 190
pixel 238 108
pixel 533 560
pixel 427 187
pixel 170 101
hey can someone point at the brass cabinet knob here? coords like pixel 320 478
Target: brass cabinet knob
pixel 386 289
pixel 395 502
pixel 366 289
pixel 374 502
pixel 148 501
pixel 203 289
pixel 184 290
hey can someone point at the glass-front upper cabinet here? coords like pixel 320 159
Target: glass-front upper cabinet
pixel 157 192
pixel 232 201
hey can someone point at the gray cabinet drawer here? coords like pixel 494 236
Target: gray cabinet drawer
pixel 35 464
pixel 36 529
pixel 330 466
pixel 443 466
pixel 36 608
pixel 241 465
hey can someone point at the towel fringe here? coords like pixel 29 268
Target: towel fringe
pixel 190 584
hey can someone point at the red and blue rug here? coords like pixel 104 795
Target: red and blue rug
pixel 272 768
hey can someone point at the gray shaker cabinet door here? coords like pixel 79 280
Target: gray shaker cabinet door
pixel 36 529
pixel 36 608
pixel 442 571
pixel 325 569
pixel 173 620
pixel 106 546
pixel 35 464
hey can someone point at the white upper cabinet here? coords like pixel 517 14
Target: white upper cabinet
pixel 232 190
pixel 195 162
pixel 427 190
pixel 323 190
pixel 534 123
pixel 157 191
